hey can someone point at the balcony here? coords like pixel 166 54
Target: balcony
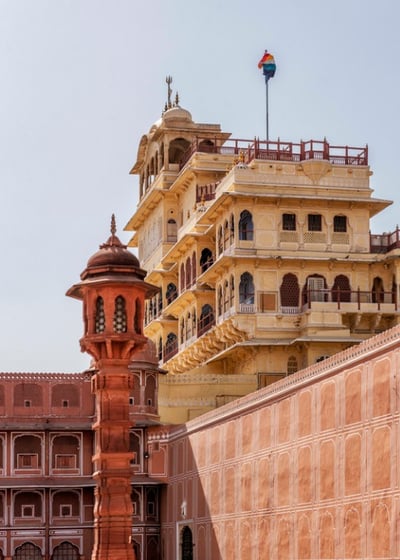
pixel 385 242
pixel 280 151
pixel 341 300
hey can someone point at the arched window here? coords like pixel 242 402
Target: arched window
pixel 226 296
pixel 206 320
pixel 65 452
pixel 187 544
pixel 150 391
pixel 232 291
pixel 194 267
pixel 182 330
pixel 65 551
pixel 232 230
pixel 290 291
pixel 220 241
pixel 246 288
pixel 206 259
pixel 315 289
pixel 160 349
pixel 138 318
pixel 28 452
pixel 341 290
pixel 177 149
pixel 219 307
pixel 182 278
pixel 292 365
pixel 188 326
pixel 119 322
pixel 246 227
pixel 226 234
pixel 171 346
pixel 172 231
pixel 100 320
pixel 171 293
pixel 66 504
pixel 27 551
pixel 194 321
pixel 188 273
pixel 28 505
pixel 378 292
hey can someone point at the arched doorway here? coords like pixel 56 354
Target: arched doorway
pixel 187 544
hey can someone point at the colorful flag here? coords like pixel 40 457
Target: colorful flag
pixel 267 63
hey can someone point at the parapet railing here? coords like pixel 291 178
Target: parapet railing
pixel 278 150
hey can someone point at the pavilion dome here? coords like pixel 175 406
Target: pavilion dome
pixel 113 256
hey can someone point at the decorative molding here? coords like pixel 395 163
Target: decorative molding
pixel 205 379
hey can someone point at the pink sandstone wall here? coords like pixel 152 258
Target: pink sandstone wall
pixel 307 468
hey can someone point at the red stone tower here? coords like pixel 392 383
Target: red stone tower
pixel 113 293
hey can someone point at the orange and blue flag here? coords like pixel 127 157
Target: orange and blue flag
pixel 267 63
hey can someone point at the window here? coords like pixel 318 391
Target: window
pixel 65 510
pixel 28 511
pixel 340 224
pixel 292 365
pixel 119 322
pixel 314 222
pixel 27 461
pixel 290 291
pixel 172 230
pixel 289 222
pixel 27 404
pixel 65 462
pixel 246 226
pixel 171 293
pixel 246 288
pixel 65 404
pixel 131 401
pixel 100 321
pixel 206 259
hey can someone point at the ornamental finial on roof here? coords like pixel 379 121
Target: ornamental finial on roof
pixel 168 79
pixel 113 226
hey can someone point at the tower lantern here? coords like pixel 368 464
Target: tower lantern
pixel 113 291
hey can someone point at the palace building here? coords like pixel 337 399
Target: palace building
pixel 263 257
pixel 243 398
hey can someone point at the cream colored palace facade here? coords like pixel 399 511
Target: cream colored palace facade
pixel 263 256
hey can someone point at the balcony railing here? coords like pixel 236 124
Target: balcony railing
pixel 205 323
pixel 206 192
pixel 385 242
pixel 357 297
pixel 170 349
pixel 280 151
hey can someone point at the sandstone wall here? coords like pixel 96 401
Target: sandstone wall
pixel 307 468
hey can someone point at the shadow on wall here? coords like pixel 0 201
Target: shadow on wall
pixel 192 501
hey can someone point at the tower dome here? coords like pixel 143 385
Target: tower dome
pixel 112 256
pixel 177 113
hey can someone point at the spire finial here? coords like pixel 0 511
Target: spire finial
pixel 113 226
pixel 168 79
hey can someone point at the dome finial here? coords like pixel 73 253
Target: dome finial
pixel 168 79
pixel 113 228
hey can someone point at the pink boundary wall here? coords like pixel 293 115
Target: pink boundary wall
pixel 306 468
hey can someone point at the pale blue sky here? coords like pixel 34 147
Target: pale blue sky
pixel 82 80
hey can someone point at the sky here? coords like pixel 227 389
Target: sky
pixel 83 80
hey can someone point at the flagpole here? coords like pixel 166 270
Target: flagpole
pixel 267 63
pixel 266 110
